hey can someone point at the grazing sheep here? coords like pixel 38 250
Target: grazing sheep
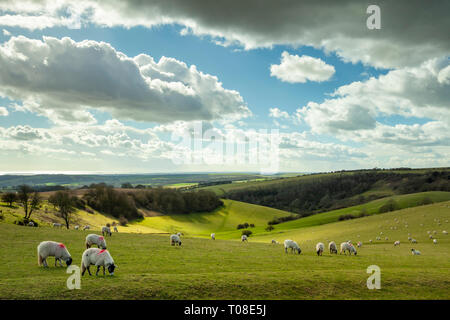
pixel 396 243
pixel 274 242
pixel 359 244
pixel 95 239
pixel 213 236
pixel 31 224
pixel 435 241
pixel 175 240
pixel 445 232
pixel 244 238
pixel 428 232
pixel 386 238
pixel 370 240
pixel 378 238
pixel 409 238
pixel 57 225
pixel 345 246
pixel 115 229
pixel 434 231
pixel 179 234
pixel 413 241
pixel 76 227
pixel 332 247
pixel 319 248
pixel 381 233
pixel 98 258
pixel 106 230
pixel 47 249
pixel 415 252
pixel 290 244
pixel 86 228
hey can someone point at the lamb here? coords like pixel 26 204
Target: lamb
pixel 99 258
pixel 95 239
pixel 319 248
pixel 332 247
pixel 290 244
pixel 213 236
pixel 53 249
pixel 86 227
pixel 244 238
pixel 106 230
pixel 76 227
pixel 175 240
pixel 415 252
pixel 396 243
pixel 345 246
pixel 57 225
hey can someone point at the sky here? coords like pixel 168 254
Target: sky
pixel 223 86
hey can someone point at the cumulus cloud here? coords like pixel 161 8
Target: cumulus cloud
pixel 295 69
pixel 335 26
pixel 61 79
pixel 277 113
pixel 3 112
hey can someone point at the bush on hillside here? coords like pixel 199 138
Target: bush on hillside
pixel 391 205
pixel 247 232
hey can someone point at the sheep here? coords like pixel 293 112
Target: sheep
pixel 244 238
pixel 31 224
pixel 413 241
pixel 58 250
pixel 370 240
pixel 76 227
pixel 409 238
pixel 274 242
pixel 175 240
pixel 434 241
pixel 99 258
pixel 332 247
pixel 431 237
pixel 87 227
pixel 378 238
pixel 95 239
pixel 179 234
pixel 444 232
pixel 106 230
pixel 434 231
pixel 387 239
pixel 213 236
pixel 319 248
pixel 57 225
pixel 115 229
pixel 415 252
pixel 359 244
pixel 397 243
pixel 345 246
pixel 290 244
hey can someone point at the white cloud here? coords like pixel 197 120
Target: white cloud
pixel 295 69
pixel 3 112
pixel 335 26
pixel 277 113
pixel 61 79
pixel 6 33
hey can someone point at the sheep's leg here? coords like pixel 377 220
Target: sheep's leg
pixel 56 260
pixel 44 261
pixel 89 270
pixel 104 273
pixel 98 269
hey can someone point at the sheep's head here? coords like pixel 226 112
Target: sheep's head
pixel 69 261
pixel 111 268
pixel 299 250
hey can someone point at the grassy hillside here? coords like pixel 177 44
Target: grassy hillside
pixel 149 268
pixel 222 220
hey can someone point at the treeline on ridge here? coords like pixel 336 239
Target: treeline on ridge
pixel 318 194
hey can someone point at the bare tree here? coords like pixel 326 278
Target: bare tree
pixel 64 202
pixel 9 197
pixel 29 199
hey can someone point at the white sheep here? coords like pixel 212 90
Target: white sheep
pixel 359 244
pixel 409 238
pixel 370 240
pixel 397 243
pixel 319 248
pixel 378 238
pixel 95 239
pixel 31 224
pixel 290 244
pixel 274 242
pixel 175 239
pixel 213 236
pixel 87 227
pixel 444 232
pixel 332 247
pixel 413 241
pixel 115 229
pixel 58 250
pixel 345 246
pixel 179 234
pixel 415 252
pixel 57 225
pixel 386 238
pixel 106 230
pixel 244 238
pixel 431 237
pixel 435 241
pixel 434 231
pixel 76 227
pixel 98 258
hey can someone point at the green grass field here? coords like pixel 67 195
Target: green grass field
pixel 149 268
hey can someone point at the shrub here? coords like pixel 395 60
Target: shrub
pixel 247 232
pixel 283 219
pixel 2 217
pixel 269 228
pixel 24 222
pixel 391 205
pixel 252 225
pixel 426 200
pixel 346 217
pixel 123 221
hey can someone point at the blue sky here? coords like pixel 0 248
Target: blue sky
pixel 369 111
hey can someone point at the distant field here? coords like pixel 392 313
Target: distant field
pixel 149 268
